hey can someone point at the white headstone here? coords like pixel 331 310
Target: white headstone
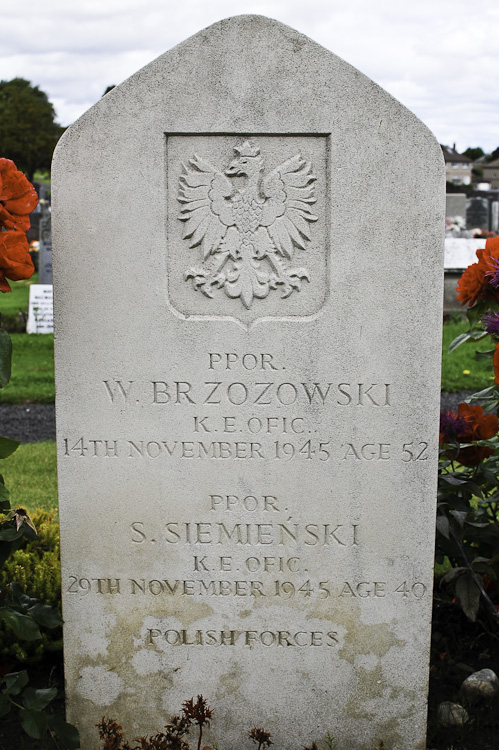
pixel 41 309
pixel 477 213
pixel 247 357
pixel 461 252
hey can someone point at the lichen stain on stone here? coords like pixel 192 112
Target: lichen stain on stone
pixel 360 638
pixel 373 697
pixel 145 662
pixel 189 615
pixel 231 681
pixel 99 685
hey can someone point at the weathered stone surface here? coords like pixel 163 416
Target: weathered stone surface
pixel 248 395
pixel 480 686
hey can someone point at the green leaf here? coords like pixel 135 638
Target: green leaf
pixel 38 699
pixel 476 313
pixel 450 479
pixel 33 722
pixel 476 335
pixel 468 595
pixel 483 394
pixel 5 704
pixel 443 525
pixel 22 625
pixel 10 533
pixel 460 516
pixel 45 615
pixel 8 446
pixel 5 357
pixel 453 574
pixel 484 355
pixel 484 565
pixel 458 341
pixel 14 682
pixel 67 733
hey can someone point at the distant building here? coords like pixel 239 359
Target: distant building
pixel 491 173
pixel 457 166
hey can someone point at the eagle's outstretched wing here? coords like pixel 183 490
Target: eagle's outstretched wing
pixel 289 190
pixel 203 191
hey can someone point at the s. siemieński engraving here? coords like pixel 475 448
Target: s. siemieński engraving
pixel 248 232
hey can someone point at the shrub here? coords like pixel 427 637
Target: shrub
pixel 35 568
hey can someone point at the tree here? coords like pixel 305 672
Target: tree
pixel 28 131
pixel 474 153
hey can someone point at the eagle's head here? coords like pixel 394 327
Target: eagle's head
pixel 247 162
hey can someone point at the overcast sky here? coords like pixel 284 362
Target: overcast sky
pixel 438 57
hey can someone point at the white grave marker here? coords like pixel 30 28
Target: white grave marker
pixel 41 309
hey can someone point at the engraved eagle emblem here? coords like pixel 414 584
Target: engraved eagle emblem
pixel 247 233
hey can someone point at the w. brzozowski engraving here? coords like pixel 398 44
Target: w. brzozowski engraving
pixel 247 233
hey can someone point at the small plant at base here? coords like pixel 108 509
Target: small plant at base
pixel 174 732
pixel 198 713
pixel 111 732
pixel 258 734
pixel 171 739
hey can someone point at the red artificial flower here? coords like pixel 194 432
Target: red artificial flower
pixel 466 426
pixel 474 285
pixel 15 260
pixel 18 197
pixel 479 426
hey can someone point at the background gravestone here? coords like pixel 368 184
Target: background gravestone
pixel 247 372
pixel 477 213
pixel 45 249
pixel 455 204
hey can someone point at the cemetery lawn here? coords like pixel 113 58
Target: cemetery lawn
pixel 17 300
pixel 32 377
pixel 30 475
pixel 460 370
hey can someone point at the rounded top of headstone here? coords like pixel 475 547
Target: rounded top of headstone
pixel 252 73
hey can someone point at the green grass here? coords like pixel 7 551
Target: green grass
pixel 30 475
pixel 460 370
pixel 12 302
pixel 32 369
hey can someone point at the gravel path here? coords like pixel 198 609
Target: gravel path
pixel 32 423
pixel 449 401
pixel 29 423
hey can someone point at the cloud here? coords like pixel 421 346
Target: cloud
pixel 438 58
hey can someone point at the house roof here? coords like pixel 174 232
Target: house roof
pixel 494 163
pixel 450 154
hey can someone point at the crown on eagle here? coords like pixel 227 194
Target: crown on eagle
pixel 247 149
